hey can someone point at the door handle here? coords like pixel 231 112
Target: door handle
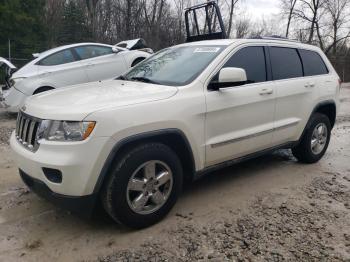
pixel 266 91
pixel 310 85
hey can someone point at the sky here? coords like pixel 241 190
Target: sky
pixel 260 8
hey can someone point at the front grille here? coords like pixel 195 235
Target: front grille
pixel 26 130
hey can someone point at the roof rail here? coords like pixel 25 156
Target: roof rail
pixel 275 37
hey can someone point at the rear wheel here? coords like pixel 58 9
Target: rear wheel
pixel 315 140
pixel 143 186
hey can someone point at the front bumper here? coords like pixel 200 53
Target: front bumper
pixel 82 206
pixel 13 100
pixel 80 163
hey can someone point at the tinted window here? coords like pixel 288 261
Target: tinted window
pixel 252 60
pixel 62 57
pixel 285 63
pixel 313 63
pixel 90 51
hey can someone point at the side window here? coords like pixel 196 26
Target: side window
pixel 91 51
pixel 285 63
pixel 313 63
pixel 62 57
pixel 252 60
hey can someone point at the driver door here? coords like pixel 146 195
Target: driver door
pixel 240 119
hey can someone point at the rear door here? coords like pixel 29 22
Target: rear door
pixel 295 94
pixel 101 62
pixel 239 119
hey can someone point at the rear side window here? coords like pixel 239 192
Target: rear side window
pixel 59 58
pixel 91 51
pixel 252 60
pixel 285 63
pixel 313 63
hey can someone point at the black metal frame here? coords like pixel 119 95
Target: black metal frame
pixel 211 35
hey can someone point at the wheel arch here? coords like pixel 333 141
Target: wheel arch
pixel 174 138
pixel 43 89
pixel 327 108
pixel 137 60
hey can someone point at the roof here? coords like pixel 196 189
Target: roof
pixel 56 49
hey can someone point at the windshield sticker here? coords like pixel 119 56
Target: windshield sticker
pixel 206 50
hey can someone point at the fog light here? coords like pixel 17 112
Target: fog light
pixel 53 175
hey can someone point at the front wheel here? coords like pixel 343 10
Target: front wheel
pixel 143 186
pixel 315 140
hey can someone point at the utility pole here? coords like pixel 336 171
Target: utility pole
pixel 9 50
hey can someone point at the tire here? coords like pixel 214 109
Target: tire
pixel 137 60
pixel 305 152
pixel 119 200
pixel 42 89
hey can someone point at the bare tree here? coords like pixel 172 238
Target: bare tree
pixel 53 18
pixel 308 10
pixel 338 11
pixel 242 27
pixel 91 7
pixel 231 4
pixel 288 7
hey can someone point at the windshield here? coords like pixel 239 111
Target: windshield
pixel 174 66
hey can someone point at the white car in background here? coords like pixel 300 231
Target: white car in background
pixel 70 65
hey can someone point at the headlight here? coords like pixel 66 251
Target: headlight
pixel 65 130
pixel 14 81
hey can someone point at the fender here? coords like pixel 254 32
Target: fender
pixel 324 103
pixel 316 108
pixel 138 137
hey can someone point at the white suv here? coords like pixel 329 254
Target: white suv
pixel 131 143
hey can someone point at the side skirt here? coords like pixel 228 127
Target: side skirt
pixel 231 162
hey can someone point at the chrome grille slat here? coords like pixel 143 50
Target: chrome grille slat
pixel 20 127
pixel 26 131
pixel 30 132
pixel 17 123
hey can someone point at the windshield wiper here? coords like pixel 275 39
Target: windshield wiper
pixel 143 79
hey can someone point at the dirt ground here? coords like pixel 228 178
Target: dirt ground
pixel 271 208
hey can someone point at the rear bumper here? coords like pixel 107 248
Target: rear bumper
pixel 82 205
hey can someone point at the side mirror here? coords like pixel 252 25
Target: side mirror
pixel 116 49
pixel 232 75
pixel 229 76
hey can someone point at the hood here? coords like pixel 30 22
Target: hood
pixel 7 63
pixel 76 102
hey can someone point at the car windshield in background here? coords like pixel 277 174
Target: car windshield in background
pixel 174 66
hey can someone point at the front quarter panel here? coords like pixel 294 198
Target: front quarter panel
pixel 185 112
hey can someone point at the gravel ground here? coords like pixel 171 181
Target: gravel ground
pixel 267 209
pixel 311 225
